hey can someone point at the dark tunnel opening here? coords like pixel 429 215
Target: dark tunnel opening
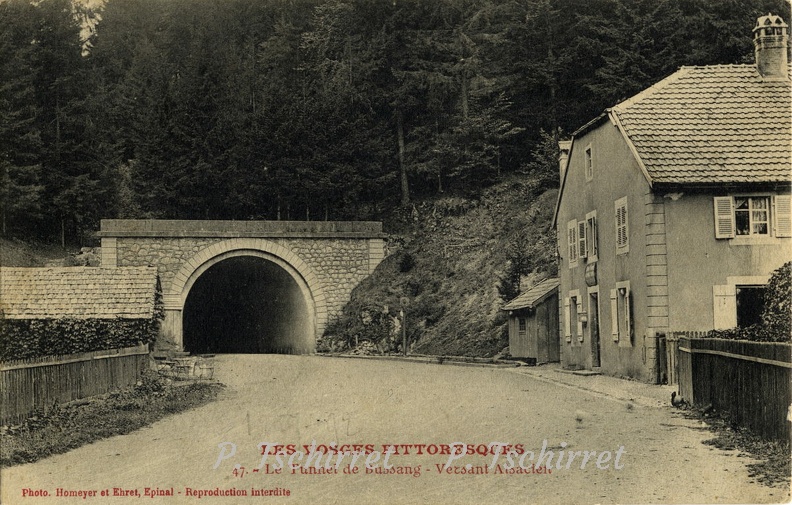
pixel 246 304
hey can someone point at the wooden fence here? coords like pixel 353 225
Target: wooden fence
pixel 37 384
pixel 750 380
pixel 671 343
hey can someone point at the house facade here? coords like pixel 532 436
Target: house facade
pixel 674 210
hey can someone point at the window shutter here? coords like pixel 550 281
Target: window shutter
pixel 582 248
pixel 724 216
pixel 572 239
pixel 594 236
pixel 579 301
pixel 724 298
pixel 627 315
pixel 782 210
pixel 622 229
pixel 614 314
pixel 567 328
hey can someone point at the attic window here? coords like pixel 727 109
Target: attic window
pixel 589 164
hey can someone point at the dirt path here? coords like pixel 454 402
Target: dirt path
pixel 298 399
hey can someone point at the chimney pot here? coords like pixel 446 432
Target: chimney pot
pixel 770 45
pixel 563 155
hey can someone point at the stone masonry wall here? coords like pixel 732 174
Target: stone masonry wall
pixel 339 263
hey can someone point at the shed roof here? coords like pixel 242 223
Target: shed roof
pixel 712 124
pixel 77 292
pixel 534 295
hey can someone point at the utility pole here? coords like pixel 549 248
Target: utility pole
pixel 403 313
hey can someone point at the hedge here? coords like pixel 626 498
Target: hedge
pixel 34 338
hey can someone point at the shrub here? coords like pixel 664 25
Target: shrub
pixel 777 315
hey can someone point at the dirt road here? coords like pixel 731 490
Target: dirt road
pixel 640 454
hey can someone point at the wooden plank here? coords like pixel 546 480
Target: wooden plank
pixel 737 356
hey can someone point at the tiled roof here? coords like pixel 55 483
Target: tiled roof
pixel 77 292
pixel 537 293
pixel 712 124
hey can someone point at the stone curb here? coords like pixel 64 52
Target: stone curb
pixel 615 388
pixel 429 360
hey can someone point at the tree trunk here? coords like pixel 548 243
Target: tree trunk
pixel 464 97
pixel 405 187
pixel 552 82
pixel 278 212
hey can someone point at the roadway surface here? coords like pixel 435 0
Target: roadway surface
pixel 417 407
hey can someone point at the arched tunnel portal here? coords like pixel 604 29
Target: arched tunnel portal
pixel 248 304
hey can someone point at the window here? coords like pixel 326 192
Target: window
pixel 739 302
pixel 753 216
pixel 582 247
pixel 750 305
pixel 572 242
pixel 622 229
pixel 522 325
pixel 589 164
pixel 591 235
pixel 621 318
pixel 573 307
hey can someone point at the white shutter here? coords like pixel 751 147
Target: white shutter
pixel 614 299
pixel 724 298
pixel 582 240
pixel 567 328
pixel 724 216
pixel 782 212
pixel 593 238
pixel 579 311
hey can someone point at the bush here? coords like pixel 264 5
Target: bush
pixel 777 315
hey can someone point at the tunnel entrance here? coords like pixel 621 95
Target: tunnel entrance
pixel 247 304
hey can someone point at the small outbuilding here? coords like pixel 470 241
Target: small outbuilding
pixel 533 323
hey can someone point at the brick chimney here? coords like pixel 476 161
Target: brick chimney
pixel 770 43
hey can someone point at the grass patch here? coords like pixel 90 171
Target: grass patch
pixel 65 428
pixel 773 467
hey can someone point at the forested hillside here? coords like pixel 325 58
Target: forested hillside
pixel 315 109
pixel 452 263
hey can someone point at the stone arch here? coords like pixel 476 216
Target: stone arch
pixel 306 279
